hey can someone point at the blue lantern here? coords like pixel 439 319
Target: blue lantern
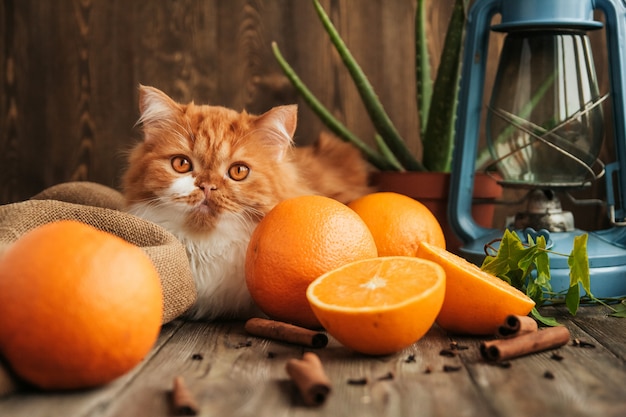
pixel 544 127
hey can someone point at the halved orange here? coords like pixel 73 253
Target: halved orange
pixel 476 302
pixel 380 305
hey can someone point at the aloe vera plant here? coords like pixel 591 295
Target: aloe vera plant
pixel 436 99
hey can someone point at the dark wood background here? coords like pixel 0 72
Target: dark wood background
pixel 71 68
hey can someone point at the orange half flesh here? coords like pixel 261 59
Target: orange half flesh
pixel 381 305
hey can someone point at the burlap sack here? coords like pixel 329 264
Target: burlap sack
pixel 85 193
pixel 167 253
pixel 99 206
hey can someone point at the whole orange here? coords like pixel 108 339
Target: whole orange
pixel 398 223
pixel 79 307
pixel 297 241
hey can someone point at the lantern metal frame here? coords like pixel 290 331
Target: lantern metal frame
pixel 606 248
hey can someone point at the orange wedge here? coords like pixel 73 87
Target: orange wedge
pixel 381 305
pixel 476 302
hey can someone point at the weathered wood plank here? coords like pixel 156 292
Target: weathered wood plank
pixel 238 374
pixel 607 331
pixel 230 378
pixel 9 124
pixel 78 403
pixel 584 382
pixel 418 378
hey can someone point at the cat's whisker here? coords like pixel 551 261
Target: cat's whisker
pixel 173 209
pixel 245 219
pixel 253 215
pixel 146 201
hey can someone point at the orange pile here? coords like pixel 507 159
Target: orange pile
pixel 476 302
pixel 379 306
pixel 78 306
pixel 398 223
pixel 297 241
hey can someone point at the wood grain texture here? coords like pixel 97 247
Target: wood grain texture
pixel 69 94
pixel 230 372
pixel 71 69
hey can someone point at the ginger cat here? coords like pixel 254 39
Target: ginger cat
pixel 208 175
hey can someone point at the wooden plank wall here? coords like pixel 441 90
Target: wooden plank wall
pixel 70 71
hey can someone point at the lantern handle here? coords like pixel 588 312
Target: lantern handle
pixel 615 22
pixel 475 52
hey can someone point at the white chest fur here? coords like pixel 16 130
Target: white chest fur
pixel 217 262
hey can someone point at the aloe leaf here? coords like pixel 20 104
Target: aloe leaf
pixel 386 152
pixel 423 76
pixel 374 107
pixel 438 139
pixel 327 118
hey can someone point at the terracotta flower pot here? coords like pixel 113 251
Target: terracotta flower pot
pixel 433 188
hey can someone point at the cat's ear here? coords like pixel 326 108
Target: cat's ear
pixel 156 107
pixel 282 120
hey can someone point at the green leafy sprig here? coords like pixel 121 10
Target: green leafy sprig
pixel 527 268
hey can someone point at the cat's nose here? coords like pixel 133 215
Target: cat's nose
pixel 207 188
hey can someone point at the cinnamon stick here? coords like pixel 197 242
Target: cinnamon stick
pixel 517 325
pixel 504 349
pixel 309 376
pixel 285 332
pixel 184 404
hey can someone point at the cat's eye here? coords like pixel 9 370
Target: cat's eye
pixel 238 172
pixel 181 164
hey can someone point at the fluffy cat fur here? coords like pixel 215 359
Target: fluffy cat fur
pixel 208 174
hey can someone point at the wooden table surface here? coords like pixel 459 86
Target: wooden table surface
pixel 232 373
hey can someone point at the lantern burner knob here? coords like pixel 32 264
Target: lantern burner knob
pixel 543 211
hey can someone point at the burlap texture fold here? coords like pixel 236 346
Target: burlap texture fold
pixel 84 192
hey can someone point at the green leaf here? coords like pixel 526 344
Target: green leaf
pixel 619 314
pixel 528 269
pixel 527 261
pixel 578 263
pixel 542 263
pixel 488 259
pixel 535 292
pixel 506 279
pixel 572 299
pixel 517 279
pixel 509 254
pixel 548 321
pixel 619 310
